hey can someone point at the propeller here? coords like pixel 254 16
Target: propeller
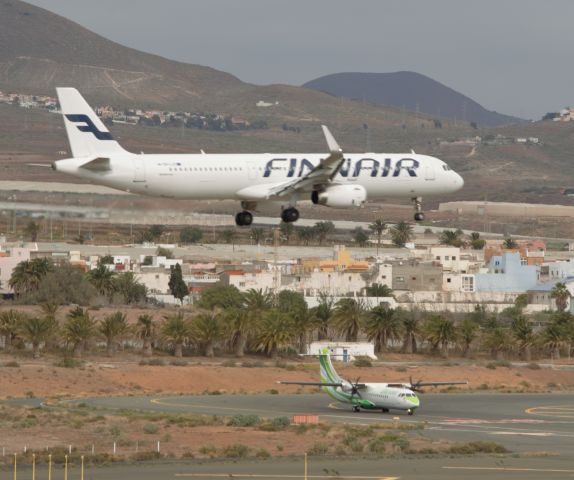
pixel 355 389
pixel 415 387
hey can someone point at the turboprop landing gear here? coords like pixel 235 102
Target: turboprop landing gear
pixel 243 219
pixel 356 408
pixel 410 411
pixel 290 215
pixel 419 215
pixel 385 410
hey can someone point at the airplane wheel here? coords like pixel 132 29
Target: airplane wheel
pixel 410 411
pixel 385 410
pixel 356 408
pixel 243 219
pixel 290 215
pixel 419 216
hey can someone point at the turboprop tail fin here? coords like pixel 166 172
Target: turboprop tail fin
pixel 328 373
pixel 87 135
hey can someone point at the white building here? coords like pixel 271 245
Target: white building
pixel 343 351
pixel 8 263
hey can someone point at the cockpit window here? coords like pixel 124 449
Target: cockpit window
pixel 445 167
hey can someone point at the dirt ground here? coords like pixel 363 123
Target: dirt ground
pixel 114 376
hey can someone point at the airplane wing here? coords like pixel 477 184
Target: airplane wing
pixel 418 385
pixel 322 174
pixel 316 384
pixel 358 386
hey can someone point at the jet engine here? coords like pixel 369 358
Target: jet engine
pixel 340 196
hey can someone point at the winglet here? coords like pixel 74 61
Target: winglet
pixel 331 142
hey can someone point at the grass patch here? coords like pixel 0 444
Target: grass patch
pixel 363 362
pixel 471 448
pixel 533 366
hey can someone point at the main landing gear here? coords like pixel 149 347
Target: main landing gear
pixel 418 203
pixel 290 215
pixel 356 408
pixel 243 219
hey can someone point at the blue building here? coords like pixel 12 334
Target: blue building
pixel 507 274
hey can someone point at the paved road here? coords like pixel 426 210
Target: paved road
pixel 521 422
pixel 403 468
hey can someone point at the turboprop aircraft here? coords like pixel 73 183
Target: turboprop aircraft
pixel 368 396
pixel 337 179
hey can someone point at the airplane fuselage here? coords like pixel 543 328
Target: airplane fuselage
pixel 238 176
pixel 377 396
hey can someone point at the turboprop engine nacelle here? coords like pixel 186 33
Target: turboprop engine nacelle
pixel 341 196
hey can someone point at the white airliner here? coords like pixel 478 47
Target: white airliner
pixel 368 396
pixel 334 180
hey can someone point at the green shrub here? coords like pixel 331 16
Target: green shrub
pixel 150 428
pixel 69 362
pixel 237 450
pixel 157 362
pixel 533 366
pixel 178 363
pixel 244 421
pixel 470 448
pixel 262 454
pixel 208 450
pixel 12 364
pixel 363 362
pixel 145 456
pixel 318 449
pixel 229 363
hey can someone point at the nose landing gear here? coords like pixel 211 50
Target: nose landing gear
pixel 410 411
pixel 418 203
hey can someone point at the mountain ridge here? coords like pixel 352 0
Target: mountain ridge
pixel 410 90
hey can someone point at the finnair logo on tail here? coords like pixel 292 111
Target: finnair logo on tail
pixel 89 126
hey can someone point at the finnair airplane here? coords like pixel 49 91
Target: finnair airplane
pixel 336 179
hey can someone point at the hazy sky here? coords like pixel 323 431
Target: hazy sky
pixel 513 56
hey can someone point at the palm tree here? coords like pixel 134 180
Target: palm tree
pixel 27 275
pixel 401 233
pixel 440 332
pixel 554 338
pixel 207 330
pixel 322 229
pixel 561 295
pixel 348 317
pixel 49 311
pixel 238 323
pixel 467 333
pixel 37 330
pixel 113 327
pixel 146 331
pixel 509 243
pixel 411 330
pixel 305 234
pixel 286 230
pixel 524 335
pixel 451 237
pixel 102 278
pixel 275 331
pixel 321 315
pixel 378 227
pixel 293 305
pixel 229 235
pixel 498 340
pixel 10 325
pixel 32 230
pixel 382 325
pixel 257 235
pixel 177 330
pixel 127 285
pixel 78 330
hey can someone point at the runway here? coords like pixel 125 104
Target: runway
pixel 521 422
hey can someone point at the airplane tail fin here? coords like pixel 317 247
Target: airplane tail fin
pixel 87 135
pixel 328 373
